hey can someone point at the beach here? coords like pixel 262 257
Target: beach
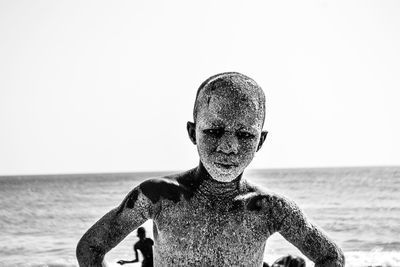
pixel 42 217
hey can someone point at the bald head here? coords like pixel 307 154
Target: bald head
pixel 233 85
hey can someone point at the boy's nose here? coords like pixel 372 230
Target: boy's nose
pixel 228 144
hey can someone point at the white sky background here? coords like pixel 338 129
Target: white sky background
pixel 95 86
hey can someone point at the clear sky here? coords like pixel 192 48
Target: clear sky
pixel 105 86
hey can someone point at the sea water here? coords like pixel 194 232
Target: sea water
pixel 43 217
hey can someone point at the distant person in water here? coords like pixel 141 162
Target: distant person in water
pixel 211 215
pixel 145 245
pixel 289 261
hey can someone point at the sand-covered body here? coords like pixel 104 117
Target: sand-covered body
pixel 210 228
pixel 202 222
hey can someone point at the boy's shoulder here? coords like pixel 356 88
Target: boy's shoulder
pixel 260 198
pixel 261 191
pixel 170 187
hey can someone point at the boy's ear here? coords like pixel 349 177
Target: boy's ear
pixel 191 128
pixel 262 139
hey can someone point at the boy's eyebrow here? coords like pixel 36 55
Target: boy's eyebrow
pixel 243 127
pixel 216 124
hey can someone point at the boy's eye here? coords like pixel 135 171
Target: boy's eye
pixel 245 135
pixel 216 132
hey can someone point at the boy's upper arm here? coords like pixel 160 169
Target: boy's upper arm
pixel 136 205
pixel 113 227
pixel 294 226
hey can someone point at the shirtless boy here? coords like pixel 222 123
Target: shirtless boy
pixel 210 215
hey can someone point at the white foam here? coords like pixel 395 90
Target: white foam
pixel 375 257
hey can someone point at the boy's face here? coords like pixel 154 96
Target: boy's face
pixel 228 131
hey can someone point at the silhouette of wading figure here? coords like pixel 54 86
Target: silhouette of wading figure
pixel 145 246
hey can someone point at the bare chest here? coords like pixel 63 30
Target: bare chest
pixel 215 233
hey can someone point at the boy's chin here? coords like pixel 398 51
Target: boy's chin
pixel 224 175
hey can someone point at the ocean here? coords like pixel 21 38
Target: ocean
pixel 42 217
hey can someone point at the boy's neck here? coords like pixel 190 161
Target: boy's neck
pixel 211 187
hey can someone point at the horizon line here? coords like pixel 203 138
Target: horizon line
pixel 177 170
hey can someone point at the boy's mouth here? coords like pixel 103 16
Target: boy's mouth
pixel 226 165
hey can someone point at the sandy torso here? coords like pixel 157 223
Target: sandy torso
pixel 209 223
pixel 201 222
pixel 197 233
